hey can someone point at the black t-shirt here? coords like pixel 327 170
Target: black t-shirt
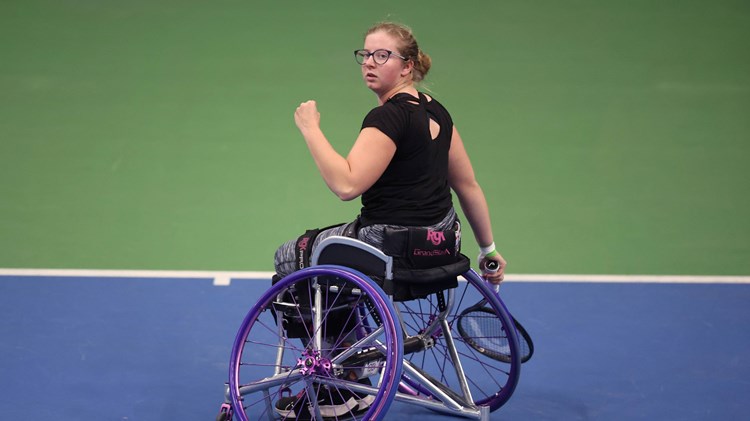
pixel 414 188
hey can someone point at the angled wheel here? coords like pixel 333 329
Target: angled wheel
pixel 489 381
pixel 322 342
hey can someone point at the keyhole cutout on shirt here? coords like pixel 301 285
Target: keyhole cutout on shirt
pixel 434 129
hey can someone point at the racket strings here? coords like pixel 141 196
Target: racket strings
pixel 482 330
pixel 485 330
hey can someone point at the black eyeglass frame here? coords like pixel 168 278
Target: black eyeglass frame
pixel 364 54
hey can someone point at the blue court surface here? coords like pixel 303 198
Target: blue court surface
pixel 114 349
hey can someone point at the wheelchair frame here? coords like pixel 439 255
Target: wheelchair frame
pixel 383 340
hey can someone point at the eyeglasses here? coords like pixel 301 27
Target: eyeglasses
pixel 380 56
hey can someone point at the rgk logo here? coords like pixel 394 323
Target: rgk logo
pixel 302 248
pixel 435 237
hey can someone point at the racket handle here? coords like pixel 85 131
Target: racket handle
pixel 491 266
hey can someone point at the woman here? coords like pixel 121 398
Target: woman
pixel 403 168
pixel 405 162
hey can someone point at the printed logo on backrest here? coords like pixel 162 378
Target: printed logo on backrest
pixel 435 237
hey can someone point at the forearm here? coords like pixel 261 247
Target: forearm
pixel 474 205
pixel 333 167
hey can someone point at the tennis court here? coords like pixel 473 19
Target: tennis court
pixel 158 348
pixel 150 166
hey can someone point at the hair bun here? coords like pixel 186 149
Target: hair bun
pixel 422 65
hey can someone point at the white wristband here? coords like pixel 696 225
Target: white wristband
pixel 483 251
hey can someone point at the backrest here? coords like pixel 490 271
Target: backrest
pixel 355 254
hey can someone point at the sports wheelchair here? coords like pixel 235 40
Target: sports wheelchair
pixel 338 336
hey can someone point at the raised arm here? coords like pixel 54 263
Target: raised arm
pixel 474 204
pixel 347 177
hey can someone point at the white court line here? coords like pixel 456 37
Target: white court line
pixel 649 279
pixel 219 278
pixel 224 278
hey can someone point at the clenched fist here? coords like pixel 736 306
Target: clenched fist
pixel 307 116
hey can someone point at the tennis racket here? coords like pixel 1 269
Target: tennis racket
pixel 482 330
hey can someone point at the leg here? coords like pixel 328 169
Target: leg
pixel 285 259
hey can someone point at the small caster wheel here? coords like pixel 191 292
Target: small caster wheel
pixel 225 413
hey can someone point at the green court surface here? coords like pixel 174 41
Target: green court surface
pixel 610 137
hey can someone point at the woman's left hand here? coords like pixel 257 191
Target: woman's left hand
pixel 493 277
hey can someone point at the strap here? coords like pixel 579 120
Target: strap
pixel 303 248
pixel 432 275
pixel 352 229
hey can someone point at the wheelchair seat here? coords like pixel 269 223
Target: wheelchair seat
pixel 398 280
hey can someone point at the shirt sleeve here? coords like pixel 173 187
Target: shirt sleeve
pixel 389 119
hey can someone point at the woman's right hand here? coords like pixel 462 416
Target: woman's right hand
pixel 307 116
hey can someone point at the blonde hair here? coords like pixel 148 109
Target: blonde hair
pixel 408 47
